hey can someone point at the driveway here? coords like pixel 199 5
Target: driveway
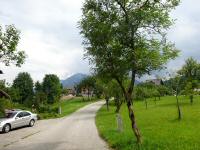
pixel 75 132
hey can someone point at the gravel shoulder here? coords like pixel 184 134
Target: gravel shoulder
pixel 75 132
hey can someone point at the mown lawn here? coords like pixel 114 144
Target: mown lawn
pixel 70 106
pixel 67 107
pixel 159 126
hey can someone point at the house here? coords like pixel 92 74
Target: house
pixel 71 91
pixel 87 92
pixel 155 81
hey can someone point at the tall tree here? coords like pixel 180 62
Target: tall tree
pixel 9 40
pixel 142 93
pixel 127 38
pixel 38 87
pixel 24 84
pixel 190 72
pixel 115 91
pixel 52 88
pixel 190 69
pixel 40 97
pixel 176 82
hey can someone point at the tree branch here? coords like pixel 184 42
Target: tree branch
pixel 124 10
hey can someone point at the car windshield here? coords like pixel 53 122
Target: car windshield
pixel 10 114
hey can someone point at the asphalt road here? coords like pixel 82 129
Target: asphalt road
pixel 75 132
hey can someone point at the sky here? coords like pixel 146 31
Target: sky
pixel 51 39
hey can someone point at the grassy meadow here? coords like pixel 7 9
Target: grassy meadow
pixel 159 126
pixel 67 107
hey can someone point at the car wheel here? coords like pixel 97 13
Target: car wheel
pixel 6 128
pixel 32 122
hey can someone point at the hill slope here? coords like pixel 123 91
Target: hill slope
pixel 73 80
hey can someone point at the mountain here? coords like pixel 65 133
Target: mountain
pixel 73 80
pixel 77 78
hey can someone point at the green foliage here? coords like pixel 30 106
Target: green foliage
pixel 149 90
pixel 40 100
pixel 159 126
pixel 163 90
pixel 88 82
pixel 68 107
pixel 2 84
pixel 14 94
pixel 23 83
pixel 98 91
pixel 65 91
pixel 191 69
pixel 5 104
pixel 52 88
pixel 127 36
pixel 190 72
pixel 38 87
pixel 113 89
pixel 142 93
pixel 9 40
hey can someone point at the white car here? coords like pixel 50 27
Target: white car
pixel 16 119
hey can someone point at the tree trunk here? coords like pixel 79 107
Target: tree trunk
pixel 133 122
pixel 191 99
pixel 118 108
pixel 179 110
pixel 88 94
pixel 118 104
pixel 107 103
pixel 145 102
pixel 128 97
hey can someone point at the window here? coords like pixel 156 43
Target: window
pixel 26 114
pixel 20 115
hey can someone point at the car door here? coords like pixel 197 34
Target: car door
pixel 26 118
pixel 18 121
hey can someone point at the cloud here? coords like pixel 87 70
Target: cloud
pixel 185 32
pixel 51 39
pixel 49 36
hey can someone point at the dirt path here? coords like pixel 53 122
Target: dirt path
pixel 75 132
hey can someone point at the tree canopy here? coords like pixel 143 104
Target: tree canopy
pixel 52 88
pixel 190 72
pixel 9 40
pixel 191 69
pixel 123 36
pixel 23 83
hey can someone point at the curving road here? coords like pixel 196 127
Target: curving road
pixel 75 132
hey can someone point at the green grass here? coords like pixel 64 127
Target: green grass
pixel 72 105
pixel 67 107
pixel 159 126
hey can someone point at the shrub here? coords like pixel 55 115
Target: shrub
pixel 5 104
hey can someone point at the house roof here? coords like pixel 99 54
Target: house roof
pixel 156 81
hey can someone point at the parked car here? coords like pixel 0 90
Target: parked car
pixel 15 119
